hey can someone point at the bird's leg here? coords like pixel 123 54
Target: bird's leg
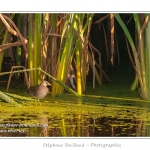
pixel 35 101
pixel 39 101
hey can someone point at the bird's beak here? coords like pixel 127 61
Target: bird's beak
pixel 49 84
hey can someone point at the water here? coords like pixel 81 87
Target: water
pixel 64 117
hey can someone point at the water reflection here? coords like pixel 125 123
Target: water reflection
pixel 105 123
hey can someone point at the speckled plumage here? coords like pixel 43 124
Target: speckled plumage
pixel 39 91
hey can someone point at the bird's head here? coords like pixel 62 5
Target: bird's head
pixel 45 83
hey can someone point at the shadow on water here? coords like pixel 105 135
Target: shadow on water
pixel 69 117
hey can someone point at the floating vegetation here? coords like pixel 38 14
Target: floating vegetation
pixel 8 99
pixel 68 118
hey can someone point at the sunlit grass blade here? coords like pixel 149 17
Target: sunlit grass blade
pixel 8 99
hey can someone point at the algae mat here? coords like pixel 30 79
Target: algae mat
pixel 69 116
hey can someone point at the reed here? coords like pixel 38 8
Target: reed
pixel 5 34
pixel 140 53
pixel 75 30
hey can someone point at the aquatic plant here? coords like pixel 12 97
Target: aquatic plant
pixel 140 53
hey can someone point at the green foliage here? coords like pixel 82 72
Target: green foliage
pixel 75 29
pixel 139 57
pixel 8 99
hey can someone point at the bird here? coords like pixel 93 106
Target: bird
pixel 39 91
